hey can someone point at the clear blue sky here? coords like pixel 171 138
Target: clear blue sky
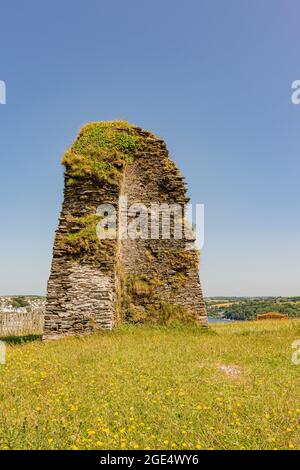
pixel 212 77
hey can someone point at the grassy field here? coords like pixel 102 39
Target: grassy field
pixel 231 387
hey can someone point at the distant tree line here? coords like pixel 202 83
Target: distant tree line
pixel 18 302
pixel 247 309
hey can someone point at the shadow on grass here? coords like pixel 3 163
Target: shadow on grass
pixel 20 339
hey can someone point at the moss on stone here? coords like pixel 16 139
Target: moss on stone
pixel 81 242
pixel 140 285
pixel 168 313
pixel 182 260
pixel 111 135
pixel 162 314
pixel 101 151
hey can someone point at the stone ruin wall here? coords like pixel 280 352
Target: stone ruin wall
pixel 130 280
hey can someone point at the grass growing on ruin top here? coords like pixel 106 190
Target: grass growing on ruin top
pixel 232 386
pixel 110 135
pixel 101 151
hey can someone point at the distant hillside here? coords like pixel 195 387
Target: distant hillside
pixel 246 308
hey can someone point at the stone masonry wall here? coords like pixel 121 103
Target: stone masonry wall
pixel 96 284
